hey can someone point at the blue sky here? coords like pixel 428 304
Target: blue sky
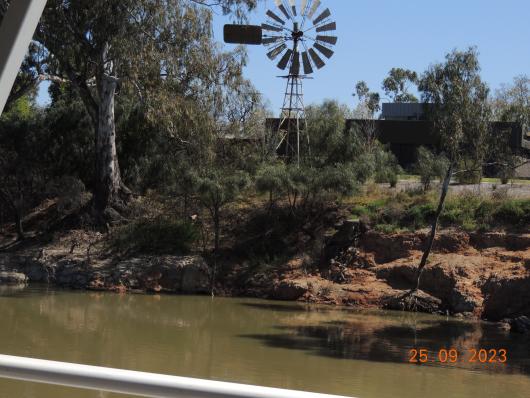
pixel 375 36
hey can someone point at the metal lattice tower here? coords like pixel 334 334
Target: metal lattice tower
pixel 297 37
pixel 292 126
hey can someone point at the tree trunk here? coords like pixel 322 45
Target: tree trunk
pixel 18 225
pixel 217 228
pixel 107 179
pixel 441 203
pixel 6 198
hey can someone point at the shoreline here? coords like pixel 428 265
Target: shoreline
pixel 471 275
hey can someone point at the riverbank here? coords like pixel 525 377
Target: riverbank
pixel 481 275
pixel 362 253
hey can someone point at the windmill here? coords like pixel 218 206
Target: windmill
pixel 299 40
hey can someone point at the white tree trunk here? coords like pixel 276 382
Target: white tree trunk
pixel 108 179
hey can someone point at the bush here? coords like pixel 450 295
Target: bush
pixel 513 212
pixel 387 168
pixel 408 210
pixel 419 216
pixel 471 172
pixel 159 236
pixel 430 166
pixel 272 179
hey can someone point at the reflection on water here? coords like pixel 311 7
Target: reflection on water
pixel 287 345
pixel 390 338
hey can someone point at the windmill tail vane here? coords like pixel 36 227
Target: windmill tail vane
pixel 299 39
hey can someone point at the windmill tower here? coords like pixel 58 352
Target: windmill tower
pixel 295 36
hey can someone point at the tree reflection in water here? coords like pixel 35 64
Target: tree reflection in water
pixel 382 339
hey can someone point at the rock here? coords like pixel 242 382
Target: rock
pixel 463 301
pixel 12 278
pixel 504 325
pixel 416 301
pixel 389 247
pixel 506 297
pixel 289 290
pixel 520 325
pixel 451 242
pixel 500 239
pixel 440 281
pixel 35 267
pixel 173 274
pixel 346 236
pixel 38 269
pixel 72 273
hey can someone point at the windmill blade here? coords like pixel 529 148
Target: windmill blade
pixel 324 50
pixel 285 59
pixel 321 17
pixel 316 59
pixel 295 65
pixel 276 51
pixel 283 9
pixel 328 39
pixel 272 15
pixel 293 6
pixel 308 69
pixel 303 7
pixel 327 27
pixel 313 9
pixel 271 28
pixel 270 40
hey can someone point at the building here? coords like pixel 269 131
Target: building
pixel 403 127
pixel 403 111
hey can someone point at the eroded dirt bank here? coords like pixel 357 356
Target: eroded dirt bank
pixel 474 275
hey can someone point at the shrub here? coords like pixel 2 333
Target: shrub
pixel 467 211
pixel 419 215
pixel 272 179
pixel 430 166
pixel 513 212
pixel 387 168
pixel 160 236
pixel 470 172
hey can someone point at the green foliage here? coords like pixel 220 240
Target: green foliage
pixel 329 141
pixel 511 212
pixel 413 211
pixel 470 171
pixel 397 82
pixel 159 236
pixel 23 172
pixel 430 166
pixel 273 180
pixel 459 106
pixel 364 167
pixel 68 136
pixel 512 101
pixel 369 102
pixel 334 180
pixel 219 187
pixel 387 168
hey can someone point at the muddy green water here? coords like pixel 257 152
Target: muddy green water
pixel 314 348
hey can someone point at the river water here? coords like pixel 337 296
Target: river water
pixel 362 354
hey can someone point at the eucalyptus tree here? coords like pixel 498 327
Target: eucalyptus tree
pixel 397 85
pixel 511 102
pixel 161 51
pixel 369 101
pixel 460 113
